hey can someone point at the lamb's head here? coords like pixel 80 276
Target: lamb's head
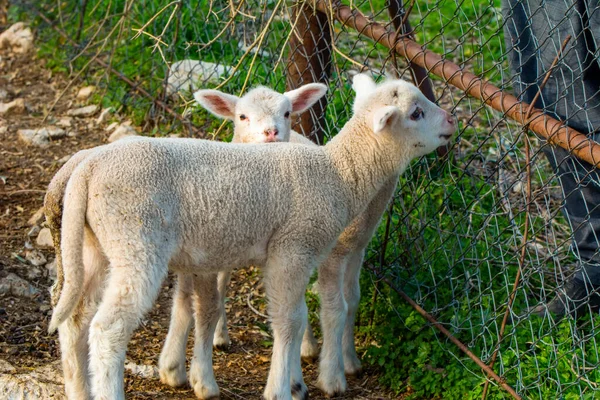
pixel 398 111
pixel 261 115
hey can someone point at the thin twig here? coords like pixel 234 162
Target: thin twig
pixel 24 191
pixel 254 310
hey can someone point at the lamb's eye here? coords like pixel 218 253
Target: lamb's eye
pixel 287 114
pixel 243 117
pixel 417 114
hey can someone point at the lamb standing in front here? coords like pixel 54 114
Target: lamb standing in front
pixel 206 207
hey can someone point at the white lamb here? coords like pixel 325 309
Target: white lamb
pixel 204 207
pixel 343 264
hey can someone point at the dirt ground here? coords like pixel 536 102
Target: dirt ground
pixel 25 171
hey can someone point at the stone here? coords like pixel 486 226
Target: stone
pixel 33 231
pixel 3 129
pixel 35 257
pixel 51 267
pixel 86 111
pixel 121 132
pixel 40 137
pixel 104 115
pixel 190 75
pixel 34 273
pixel 45 382
pixel 16 286
pixel 37 218
pixel 143 371
pixel 44 239
pixel 6 367
pixel 18 38
pixel 65 122
pixel 85 92
pixel 17 106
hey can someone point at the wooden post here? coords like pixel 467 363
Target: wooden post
pixel 309 61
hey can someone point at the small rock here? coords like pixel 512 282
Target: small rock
pixel 6 367
pixel 3 129
pixel 35 257
pixel 37 218
pixel 31 137
pixel 51 267
pixel 65 122
pixel 13 285
pixel 18 37
pixel 34 273
pixel 85 92
pixel 45 307
pixel 121 132
pixel 44 239
pixel 104 114
pixel 3 94
pixel 33 231
pixel 17 106
pixel 111 126
pixel 65 159
pixel 193 74
pixel 143 371
pixel 83 111
pixel 40 137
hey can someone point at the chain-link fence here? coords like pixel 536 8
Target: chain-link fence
pixel 478 235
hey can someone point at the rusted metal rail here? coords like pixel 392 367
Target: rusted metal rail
pixel 555 131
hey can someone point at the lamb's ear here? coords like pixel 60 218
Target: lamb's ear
pixel 363 84
pixel 385 117
pixel 305 96
pixel 218 103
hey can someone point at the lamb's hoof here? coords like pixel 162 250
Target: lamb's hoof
pixel 352 366
pixel 221 342
pixel 206 393
pixel 332 386
pixel 173 375
pixel 269 395
pixel 299 391
pixel 205 387
pixel 309 350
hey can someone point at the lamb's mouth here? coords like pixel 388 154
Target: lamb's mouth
pixel 447 137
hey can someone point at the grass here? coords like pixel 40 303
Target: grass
pixel 455 234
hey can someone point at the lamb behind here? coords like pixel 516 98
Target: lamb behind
pixel 206 207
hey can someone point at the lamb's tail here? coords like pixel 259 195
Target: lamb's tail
pixel 73 225
pixel 53 206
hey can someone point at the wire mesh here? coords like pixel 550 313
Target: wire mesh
pixel 462 227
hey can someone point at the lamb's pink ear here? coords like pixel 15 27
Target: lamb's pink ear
pixel 218 103
pixel 385 117
pixel 305 96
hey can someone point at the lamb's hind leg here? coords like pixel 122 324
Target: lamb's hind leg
pixel 286 278
pixel 333 319
pixel 352 365
pixel 221 339
pixel 171 364
pixel 131 290
pixel 73 333
pixel 206 314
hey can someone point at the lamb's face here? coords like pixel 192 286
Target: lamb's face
pixel 262 116
pixel 400 110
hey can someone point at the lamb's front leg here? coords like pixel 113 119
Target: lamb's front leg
pixel 333 319
pixel 286 279
pixel 171 364
pixel 206 314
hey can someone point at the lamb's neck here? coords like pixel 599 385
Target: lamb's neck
pixel 364 162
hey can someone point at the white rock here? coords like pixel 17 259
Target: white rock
pixel 17 106
pixel 85 92
pixel 83 111
pixel 65 122
pixel 35 257
pixel 65 159
pixel 143 371
pixel 43 383
pixel 40 137
pixel 37 218
pixel 51 267
pixel 13 285
pixel 104 115
pixel 44 239
pixel 193 74
pixel 121 132
pixel 6 367
pixel 18 37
